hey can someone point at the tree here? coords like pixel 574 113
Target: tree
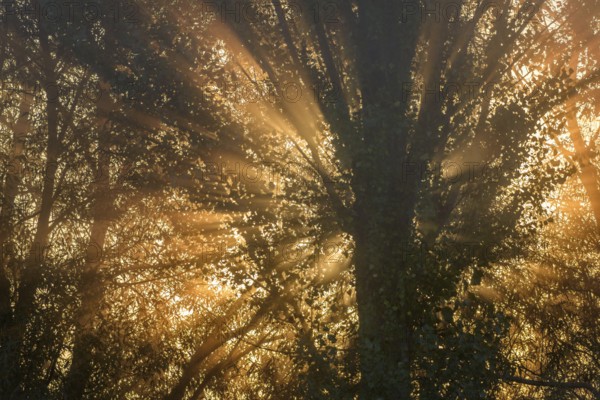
pixel 248 163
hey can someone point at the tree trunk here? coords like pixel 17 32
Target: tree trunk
pixel 385 202
pixel 9 193
pixel 92 286
pixel 10 189
pixel 31 274
pixel 588 173
pixel 217 338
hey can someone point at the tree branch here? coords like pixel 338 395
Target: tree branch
pixel 554 384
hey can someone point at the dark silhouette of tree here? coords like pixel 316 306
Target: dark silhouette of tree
pixel 282 199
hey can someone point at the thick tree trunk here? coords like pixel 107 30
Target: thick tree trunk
pixel 385 201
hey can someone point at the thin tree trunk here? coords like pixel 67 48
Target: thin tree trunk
pixel 31 274
pixel 216 339
pixel 221 368
pixel 92 287
pixel 9 193
pixel 588 172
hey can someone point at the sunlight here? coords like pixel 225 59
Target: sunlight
pixel 300 200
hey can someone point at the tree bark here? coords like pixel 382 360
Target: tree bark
pixel 384 203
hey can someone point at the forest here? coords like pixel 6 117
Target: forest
pixel 300 199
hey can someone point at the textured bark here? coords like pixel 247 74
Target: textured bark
pixel 385 202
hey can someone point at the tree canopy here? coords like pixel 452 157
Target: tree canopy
pixel 340 199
